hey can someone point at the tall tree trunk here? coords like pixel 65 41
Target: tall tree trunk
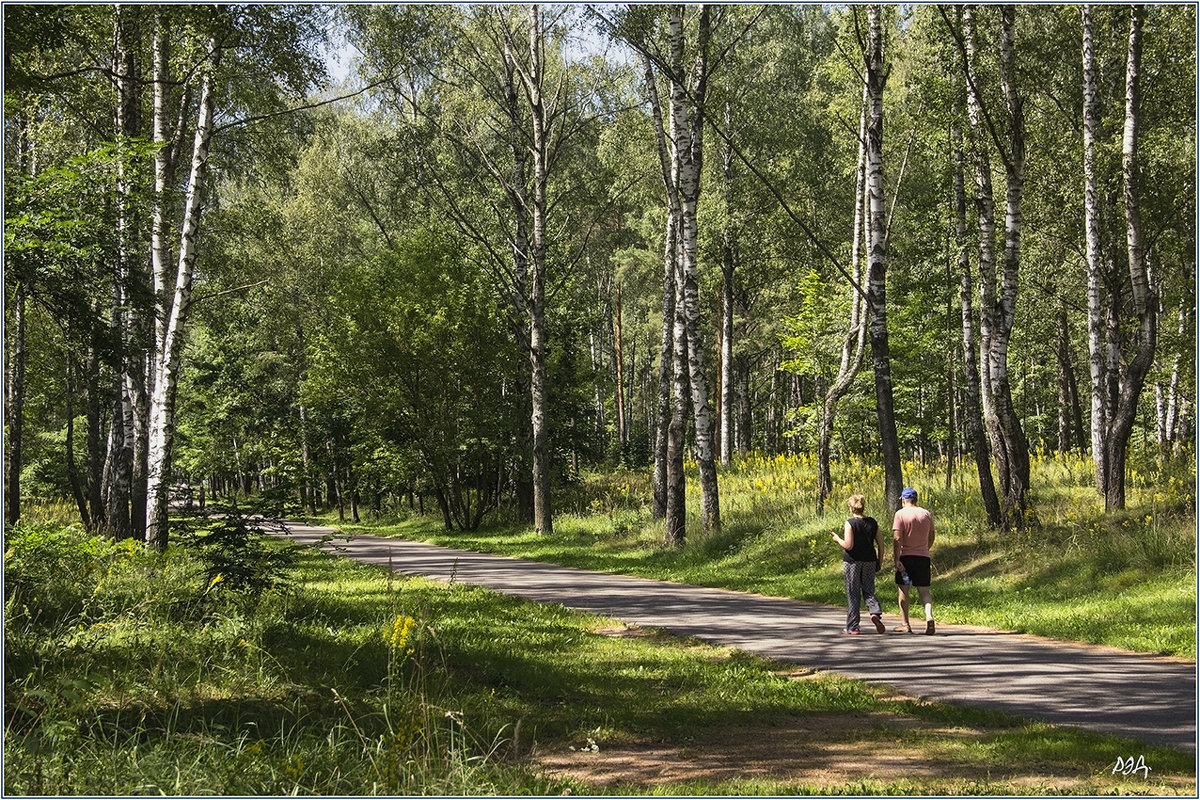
pixel 169 349
pixel 675 521
pixel 663 464
pixel 745 411
pixel 524 481
pixel 1097 301
pixel 542 512
pixel 77 488
pixel 1145 306
pixel 1016 482
pixel 619 363
pixel 122 438
pixel 728 267
pixel 14 403
pixel 1169 415
pixel 998 287
pixel 668 451
pixel 119 459
pixel 95 435
pixel 688 145
pixel 1070 416
pixel 854 344
pixel 877 263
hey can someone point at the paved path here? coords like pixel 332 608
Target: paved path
pixel 1102 689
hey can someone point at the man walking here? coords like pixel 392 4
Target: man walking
pixel 912 534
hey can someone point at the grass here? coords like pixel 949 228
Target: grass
pixel 128 673
pixel 1126 579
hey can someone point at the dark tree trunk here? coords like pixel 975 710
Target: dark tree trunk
pixel 77 489
pixel 662 454
pixel 14 406
pixel 972 411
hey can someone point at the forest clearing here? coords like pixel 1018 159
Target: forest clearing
pixel 642 289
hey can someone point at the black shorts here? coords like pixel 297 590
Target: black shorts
pixel 917 568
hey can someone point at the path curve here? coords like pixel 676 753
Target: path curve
pixel 1096 688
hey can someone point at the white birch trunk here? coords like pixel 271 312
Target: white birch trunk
pixel 665 467
pixel 854 344
pixel 1097 361
pixel 688 135
pixel 877 262
pixel 974 410
pixel 170 346
pixel 1145 306
pixel 728 265
pixel 1016 482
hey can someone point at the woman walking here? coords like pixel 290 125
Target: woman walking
pixel 862 557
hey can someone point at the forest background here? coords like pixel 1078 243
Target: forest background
pixel 646 289
pixel 541 241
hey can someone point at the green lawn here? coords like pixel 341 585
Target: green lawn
pixel 134 674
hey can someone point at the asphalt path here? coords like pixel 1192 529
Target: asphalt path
pixel 1102 689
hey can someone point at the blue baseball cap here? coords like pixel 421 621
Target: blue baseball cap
pixel 909 494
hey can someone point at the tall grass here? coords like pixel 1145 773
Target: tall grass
pixel 130 673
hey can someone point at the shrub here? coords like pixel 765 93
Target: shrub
pixel 235 554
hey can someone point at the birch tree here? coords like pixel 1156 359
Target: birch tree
pixel 972 410
pixel 1095 269
pixel 688 98
pixel 168 350
pixel 1145 304
pixel 270 45
pixel 854 343
pixel 671 396
pixel 998 279
pixel 876 77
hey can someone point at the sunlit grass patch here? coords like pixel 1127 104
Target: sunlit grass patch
pixel 360 682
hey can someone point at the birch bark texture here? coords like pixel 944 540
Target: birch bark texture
pixel 998 282
pixel 1145 305
pixel 881 358
pixel 973 410
pixel 687 135
pixel 1115 389
pixel 854 343
pixel 169 345
pixel 668 450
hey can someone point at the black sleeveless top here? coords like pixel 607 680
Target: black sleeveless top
pixel 864 529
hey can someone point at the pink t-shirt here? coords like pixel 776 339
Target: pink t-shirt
pixel 912 528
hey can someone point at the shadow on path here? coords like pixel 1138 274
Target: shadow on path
pixel 1096 688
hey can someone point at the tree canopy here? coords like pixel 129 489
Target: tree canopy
pixel 482 271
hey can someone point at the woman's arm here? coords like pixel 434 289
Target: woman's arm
pixel 847 540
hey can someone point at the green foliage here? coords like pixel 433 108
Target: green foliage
pixel 49 570
pixel 236 554
pixel 366 683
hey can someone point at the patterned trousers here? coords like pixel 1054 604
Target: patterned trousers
pixel 860 582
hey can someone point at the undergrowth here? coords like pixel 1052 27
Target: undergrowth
pixel 129 673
